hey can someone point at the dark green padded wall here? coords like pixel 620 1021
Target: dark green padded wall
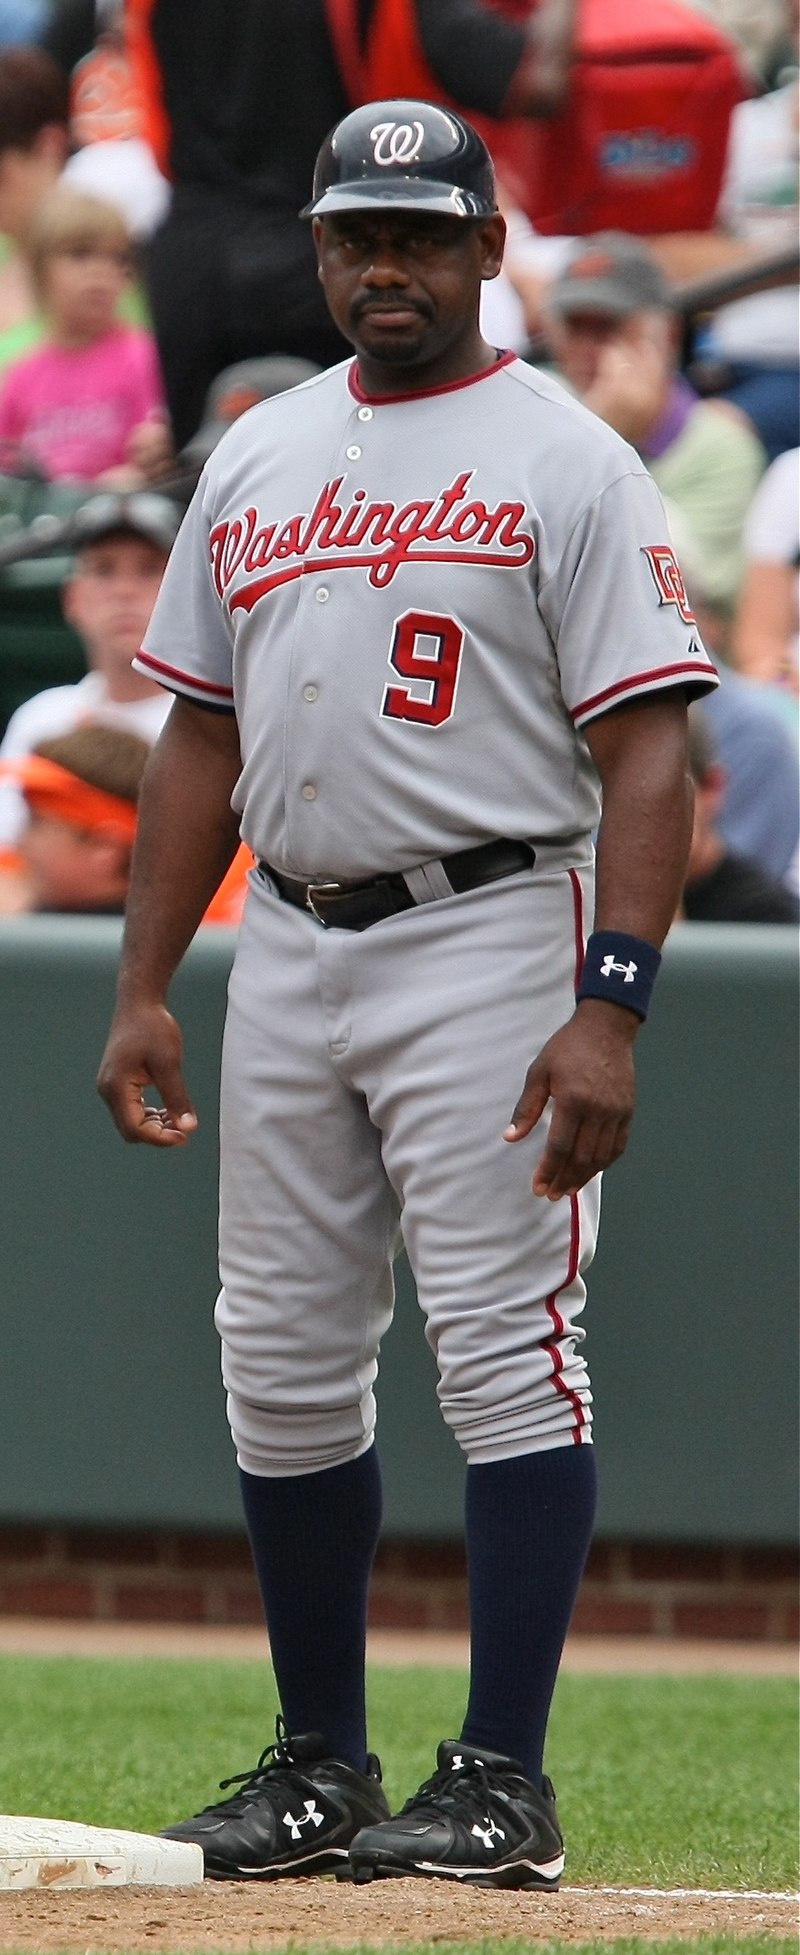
pixel 111 1408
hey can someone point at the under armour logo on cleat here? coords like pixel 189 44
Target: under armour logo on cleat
pixel 311 1817
pixel 488 1833
pixel 626 971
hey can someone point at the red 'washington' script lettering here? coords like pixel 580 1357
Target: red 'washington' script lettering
pixel 374 536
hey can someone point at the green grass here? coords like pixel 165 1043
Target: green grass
pixel 629 1945
pixel 662 1781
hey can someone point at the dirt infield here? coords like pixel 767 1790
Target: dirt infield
pixel 392 1913
pixel 685 1656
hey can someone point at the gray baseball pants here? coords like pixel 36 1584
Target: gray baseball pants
pixel 366 1081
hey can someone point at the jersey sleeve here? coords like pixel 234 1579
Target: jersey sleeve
pixel 187 646
pixel 616 606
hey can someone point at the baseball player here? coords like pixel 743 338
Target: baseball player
pixel 422 615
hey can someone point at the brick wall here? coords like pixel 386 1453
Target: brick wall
pixel 629 1588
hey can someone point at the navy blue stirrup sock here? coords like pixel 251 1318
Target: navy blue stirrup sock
pixel 529 1523
pixel 313 1538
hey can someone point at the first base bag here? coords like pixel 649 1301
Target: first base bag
pixel 640 144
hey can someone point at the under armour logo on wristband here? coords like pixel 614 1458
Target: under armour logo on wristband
pixel 606 974
pixel 626 971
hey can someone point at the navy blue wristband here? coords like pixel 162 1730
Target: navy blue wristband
pixel 620 969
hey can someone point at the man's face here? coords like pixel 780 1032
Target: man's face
pixel 109 598
pixel 404 286
pixel 72 868
pixel 578 341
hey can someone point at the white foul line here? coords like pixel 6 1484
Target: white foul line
pixel 688 1893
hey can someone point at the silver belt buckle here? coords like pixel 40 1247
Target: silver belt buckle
pixel 318 889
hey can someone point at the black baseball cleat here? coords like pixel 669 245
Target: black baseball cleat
pixel 296 1814
pixel 477 1820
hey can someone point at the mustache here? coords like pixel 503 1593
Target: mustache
pixel 393 301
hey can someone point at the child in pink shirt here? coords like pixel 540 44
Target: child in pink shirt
pixel 88 404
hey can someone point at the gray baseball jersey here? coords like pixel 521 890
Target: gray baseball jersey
pixel 415 605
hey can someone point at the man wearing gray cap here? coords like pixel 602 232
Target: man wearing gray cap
pixel 613 331
pixel 121 543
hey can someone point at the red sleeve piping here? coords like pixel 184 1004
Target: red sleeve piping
pixel 177 681
pixel 644 682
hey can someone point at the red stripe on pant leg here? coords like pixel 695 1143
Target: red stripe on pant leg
pixel 551 1344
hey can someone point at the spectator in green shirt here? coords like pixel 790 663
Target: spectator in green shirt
pixel 615 337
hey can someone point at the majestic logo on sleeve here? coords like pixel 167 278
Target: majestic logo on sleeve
pixel 668 580
pixel 378 537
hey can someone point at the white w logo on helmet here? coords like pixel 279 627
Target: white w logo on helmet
pixel 396 142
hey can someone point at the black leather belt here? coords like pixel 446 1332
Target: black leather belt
pixel 355 905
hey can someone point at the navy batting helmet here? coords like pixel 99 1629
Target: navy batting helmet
pixel 408 155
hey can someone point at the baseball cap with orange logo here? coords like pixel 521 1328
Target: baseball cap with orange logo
pixel 611 273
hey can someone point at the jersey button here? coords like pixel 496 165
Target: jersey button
pixel 310 693
pixel 309 793
pixel 353 454
pixel 323 594
pixel 365 414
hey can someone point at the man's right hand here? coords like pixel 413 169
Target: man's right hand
pixel 145 1048
pixel 632 381
pixel 186 838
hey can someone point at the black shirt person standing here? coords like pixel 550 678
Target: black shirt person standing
pixel 240 99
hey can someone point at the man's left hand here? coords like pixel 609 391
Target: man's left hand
pixel 586 1069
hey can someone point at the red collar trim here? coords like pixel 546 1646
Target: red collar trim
pixel 424 393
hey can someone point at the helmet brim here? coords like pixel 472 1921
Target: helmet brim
pixel 400 193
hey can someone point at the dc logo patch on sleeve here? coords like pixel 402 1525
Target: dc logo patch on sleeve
pixel 668 579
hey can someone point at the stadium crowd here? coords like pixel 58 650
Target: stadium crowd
pixel 155 281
